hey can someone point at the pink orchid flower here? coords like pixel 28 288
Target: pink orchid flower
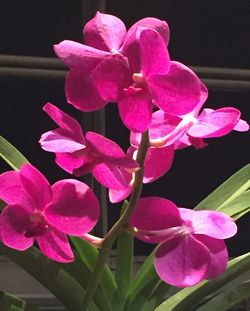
pixel 131 69
pixel 191 246
pixel 39 212
pixel 79 154
pixel 192 128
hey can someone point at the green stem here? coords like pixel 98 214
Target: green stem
pixel 113 233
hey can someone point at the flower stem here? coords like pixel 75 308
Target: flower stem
pixel 122 222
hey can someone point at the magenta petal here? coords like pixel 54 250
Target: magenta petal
pixel 182 261
pixel 154 53
pixel 215 124
pixel 179 91
pixel 135 111
pixel 111 176
pixel 163 212
pixel 153 23
pixel 78 56
pixel 158 162
pixel 110 77
pixel 13 192
pixel 14 221
pixel 105 32
pixel 212 223
pixel 219 255
pixel 55 245
pixel 81 93
pixel 58 141
pixel 36 185
pixel 241 126
pixel 74 209
pixel 69 162
pixel 65 121
pixel 108 151
pixel 116 196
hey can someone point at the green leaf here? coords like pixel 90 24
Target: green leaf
pixel 11 155
pixel 143 283
pixel 228 299
pixel 106 291
pixel 124 263
pixel 229 191
pixel 50 274
pixel 187 298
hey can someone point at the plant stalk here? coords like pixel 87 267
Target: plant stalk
pixel 122 222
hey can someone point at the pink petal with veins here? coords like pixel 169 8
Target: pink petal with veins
pixel 13 223
pixel 182 261
pixel 69 162
pixel 74 209
pixel 116 196
pixel 105 32
pixel 55 245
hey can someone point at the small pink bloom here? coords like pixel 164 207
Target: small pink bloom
pixel 79 154
pixel 39 212
pixel 191 246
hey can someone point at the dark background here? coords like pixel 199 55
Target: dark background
pixel 203 33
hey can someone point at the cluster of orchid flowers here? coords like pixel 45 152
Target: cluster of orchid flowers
pixel 133 69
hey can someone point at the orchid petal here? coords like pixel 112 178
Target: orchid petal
pixel 179 91
pixel 116 196
pixel 55 245
pixel 241 126
pixel 36 185
pixel 78 56
pixel 212 223
pixel 108 150
pixel 14 221
pixel 163 212
pixel 74 209
pixel 13 192
pixel 105 32
pixel 215 124
pixel 110 77
pixel 81 93
pixel 65 121
pixel 111 176
pixel 69 162
pixel 158 161
pixel 219 255
pixel 135 111
pixel 182 261
pixel 153 23
pixel 58 141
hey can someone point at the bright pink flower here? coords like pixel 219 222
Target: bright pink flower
pixel 78 155
pixel 131 69
pixel 191 246
pixel 192 128
pixel 39 212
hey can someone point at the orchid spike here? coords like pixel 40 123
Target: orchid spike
pixel 191 243
pixel 46 214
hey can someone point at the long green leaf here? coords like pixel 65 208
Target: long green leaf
pixel 228 299
pixel 124 264
pixel 187 298
pixel 88 256
pixel 228 191
pixel 11 155
pixel 50 274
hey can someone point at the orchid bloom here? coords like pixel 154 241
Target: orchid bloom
pixel 39 212
pixel 191 246
pixel 192 128
pixel 131 69
pixel 79 154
